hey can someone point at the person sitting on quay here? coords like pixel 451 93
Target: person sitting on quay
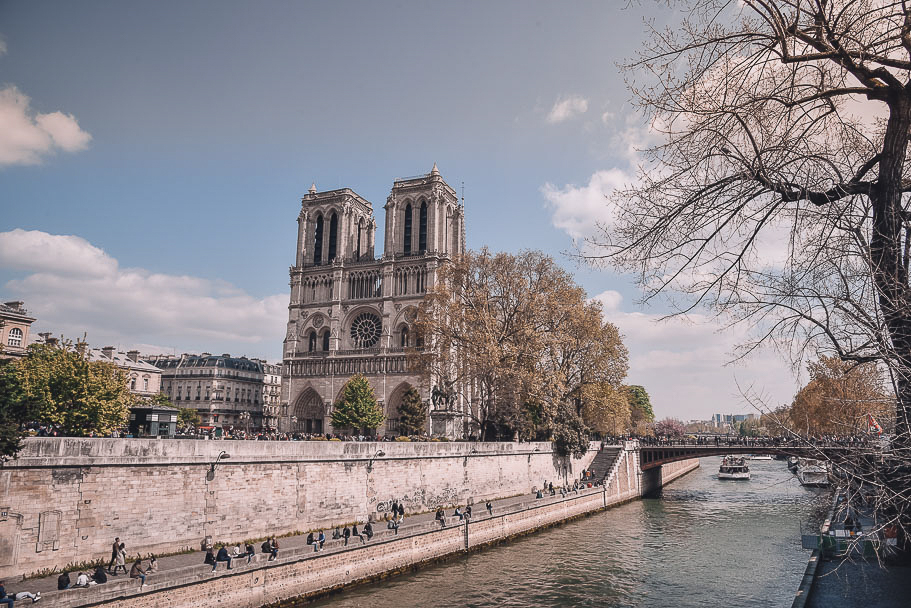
pixel 4 598
pixel 153 565
pixel 63 581
pixel 100 576
pixel 222 556
pixel 321 539
pixel 210 557
pixel 354 532
pixel 441 517
pixel 82 580
pixel 458 513
pixel 336 534
pixel 539 494
pixel 310 538
pixel 273 549
pixel 250 552
pixel 346 533
pixel 368 530
pixel 136 571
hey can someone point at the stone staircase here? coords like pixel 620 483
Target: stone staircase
pixel 603 464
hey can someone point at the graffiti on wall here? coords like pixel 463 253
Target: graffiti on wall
pixel 422 499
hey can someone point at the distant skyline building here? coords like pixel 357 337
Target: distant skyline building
pixel 143 379
pixel 721 420
pixel 352 313
pixel 226 391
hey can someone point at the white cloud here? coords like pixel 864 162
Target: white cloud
pixel 684 363
pixel 566 108
pixel 2 47
pixel 579 210
pixel 608 117
pixel 26 137
pixel 74 287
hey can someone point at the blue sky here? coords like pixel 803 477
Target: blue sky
pixel 156 153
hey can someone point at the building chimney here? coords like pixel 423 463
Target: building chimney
pixel 133 355
pixel 108 351
pixel 16 305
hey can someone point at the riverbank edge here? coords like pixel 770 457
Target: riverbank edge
pixel 297 602
pixel 809 575
pixel 301 579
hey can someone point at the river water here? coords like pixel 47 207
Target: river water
pixel 704 542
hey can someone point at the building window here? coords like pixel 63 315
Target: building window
pixel 133 383
pixel 422 228
pixel 15 337
pixel 145 384
pixel 326 340
pixel 407 243
pixel 404 337
pixel 333 236
pixel 311 342
pixel 318 240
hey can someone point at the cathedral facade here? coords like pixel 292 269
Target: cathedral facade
pixel 352 312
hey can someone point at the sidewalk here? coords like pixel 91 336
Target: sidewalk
pixel 290 548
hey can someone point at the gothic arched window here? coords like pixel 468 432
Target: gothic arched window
pixel 404 337
pixel 311 342
pixel 333 236
pixel 318 240
pixel 326 340
pixel 360 235
pixel 407 243
pixel 422 230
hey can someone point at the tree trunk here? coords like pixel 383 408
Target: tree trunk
pixel 889 272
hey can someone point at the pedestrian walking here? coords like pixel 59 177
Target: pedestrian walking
pixel 115 549
pixel 121 559
pixel 489 508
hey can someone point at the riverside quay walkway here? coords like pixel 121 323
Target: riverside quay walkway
pixel 178 570
pixel 657 453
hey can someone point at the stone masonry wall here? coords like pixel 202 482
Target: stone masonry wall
pixel 307 574
pixel 64 500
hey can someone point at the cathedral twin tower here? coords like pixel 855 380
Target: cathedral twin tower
pixel 351 312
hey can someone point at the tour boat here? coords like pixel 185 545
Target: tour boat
pixel 733 468
pixel 812 472
pixel 760 457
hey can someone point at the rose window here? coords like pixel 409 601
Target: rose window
pixel 365 330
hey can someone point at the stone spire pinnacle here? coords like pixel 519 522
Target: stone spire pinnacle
pixel 434 171
pixel 312 189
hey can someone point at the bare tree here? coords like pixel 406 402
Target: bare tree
pixel 777 193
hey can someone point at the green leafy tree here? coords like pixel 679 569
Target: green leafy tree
pixel 641 413
pixel 15 410
pixel 58 385
pixel 413 413
pixel 357 408
pixel 187 416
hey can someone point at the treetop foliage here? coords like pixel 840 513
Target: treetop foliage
pixel 57 385
pixel 516 335
pixel 358 408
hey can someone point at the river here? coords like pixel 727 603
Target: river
pixel 704 542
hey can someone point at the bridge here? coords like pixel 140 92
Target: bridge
pixel 651 456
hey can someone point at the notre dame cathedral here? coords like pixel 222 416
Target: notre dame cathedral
pixel 351 312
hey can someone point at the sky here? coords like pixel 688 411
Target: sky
pixel 153 156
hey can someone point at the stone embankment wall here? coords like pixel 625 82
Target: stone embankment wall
pixel 64 500
pixel 298 575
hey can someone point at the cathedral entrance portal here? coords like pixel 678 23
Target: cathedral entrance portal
pixel 308 413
